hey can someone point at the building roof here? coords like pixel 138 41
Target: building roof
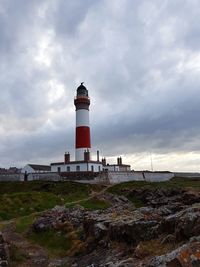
pixel 37 167
pixel 76 162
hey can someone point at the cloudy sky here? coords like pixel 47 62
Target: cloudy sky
pixel 139 59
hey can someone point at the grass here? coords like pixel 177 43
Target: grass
pixel 173 183
pixel 56 242
pixel 22 224
pixel 95 204
pixel 137 202
pixel 21 204
pixel 20 198
pixel 57 188
pixel 91 204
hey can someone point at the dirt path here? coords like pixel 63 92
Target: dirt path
pixel 25 254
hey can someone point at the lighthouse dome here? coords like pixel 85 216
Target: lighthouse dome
pixel 82 90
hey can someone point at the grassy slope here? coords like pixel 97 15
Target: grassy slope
pixel 19 199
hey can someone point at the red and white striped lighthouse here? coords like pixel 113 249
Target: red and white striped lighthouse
pixel 82 142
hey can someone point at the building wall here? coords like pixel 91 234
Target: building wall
pixel 73 167
pixel 27 169
pixel 111 168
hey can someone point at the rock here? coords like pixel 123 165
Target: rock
pixel 160 197
pixel 183 224
pixel 4 254
pixel 187 255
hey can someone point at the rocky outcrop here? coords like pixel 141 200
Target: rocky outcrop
pixel 183 224
pixel 187 255
pixel 111 237
pixel 175 198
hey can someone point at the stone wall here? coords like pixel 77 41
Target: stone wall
pixel 11 177
pixel 90 177
pixel 45 176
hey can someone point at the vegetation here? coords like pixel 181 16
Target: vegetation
pixel 173 183
pixel 90 204
pixel 22 224
pixel 20 198
pixel 56 242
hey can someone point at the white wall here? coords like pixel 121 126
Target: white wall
pixel 79 153
pixel 83 167
pixel 119 177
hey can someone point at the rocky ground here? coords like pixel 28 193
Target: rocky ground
pixel 164 232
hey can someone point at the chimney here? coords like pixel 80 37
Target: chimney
pixel 67 158
pixel 87 156
pixel 118 161
pixel 98 155
pixel 104 161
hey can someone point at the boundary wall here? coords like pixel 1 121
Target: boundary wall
pixel 119 177
pixel 109 177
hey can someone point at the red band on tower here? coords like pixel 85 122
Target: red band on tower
pixel 83 137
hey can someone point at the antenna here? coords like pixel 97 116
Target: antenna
pixel 151 161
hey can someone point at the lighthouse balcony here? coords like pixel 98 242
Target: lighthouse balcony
pixel 81 100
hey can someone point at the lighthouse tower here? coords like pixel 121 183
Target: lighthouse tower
pixel 83 162
pixel 82 142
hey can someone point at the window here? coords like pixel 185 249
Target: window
pixel 68 168
pixel 77 168
pixel 92 168
pixel 99 168
pixel 59 169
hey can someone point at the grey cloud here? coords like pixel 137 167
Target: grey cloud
pixel 139 60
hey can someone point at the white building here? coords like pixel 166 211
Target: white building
pixel 35 168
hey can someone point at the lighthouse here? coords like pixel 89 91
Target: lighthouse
pixel 83 161
pixel 82 136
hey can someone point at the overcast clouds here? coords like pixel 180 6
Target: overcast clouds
pixel 140 61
